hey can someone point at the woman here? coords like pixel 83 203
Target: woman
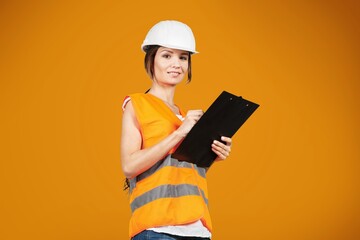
pixel 168 198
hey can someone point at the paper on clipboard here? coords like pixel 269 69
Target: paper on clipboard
pixel 223 118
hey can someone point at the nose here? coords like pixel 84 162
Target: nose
pixel 176 62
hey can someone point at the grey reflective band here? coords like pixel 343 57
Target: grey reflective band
pixel 204 197
pixel 132 183
pixel 165 191
pixel 169 161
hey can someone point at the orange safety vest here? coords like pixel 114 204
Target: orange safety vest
pixel 171 192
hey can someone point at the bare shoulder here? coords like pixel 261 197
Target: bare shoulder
pixel 129 117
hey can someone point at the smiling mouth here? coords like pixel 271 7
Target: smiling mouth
pixel 174 73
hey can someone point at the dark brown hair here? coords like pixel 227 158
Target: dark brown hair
pixel 150 57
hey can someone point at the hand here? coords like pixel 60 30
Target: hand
pixel 192 116
pixel 222 150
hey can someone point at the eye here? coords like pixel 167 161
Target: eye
pixel 167 56
pixel 185 58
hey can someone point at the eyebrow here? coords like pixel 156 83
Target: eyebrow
pixel 167 50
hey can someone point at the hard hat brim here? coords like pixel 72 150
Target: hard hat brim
pixel 144 46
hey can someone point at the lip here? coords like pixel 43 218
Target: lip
pixel 174 74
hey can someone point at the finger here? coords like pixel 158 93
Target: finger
pixel 197 113
pixel 220 154
pixel 220 151
pixel 221 145
pixel 195 117
pixel 227 140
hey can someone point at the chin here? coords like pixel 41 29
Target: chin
pixel 175 80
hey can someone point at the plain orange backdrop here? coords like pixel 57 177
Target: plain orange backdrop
pixel 65 67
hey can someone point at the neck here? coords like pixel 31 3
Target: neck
pixel 164 93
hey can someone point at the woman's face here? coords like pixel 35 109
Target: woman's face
pixel 170 65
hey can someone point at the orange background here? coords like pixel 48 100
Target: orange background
pixel 65 68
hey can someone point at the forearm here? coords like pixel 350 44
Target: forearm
pixel 141 160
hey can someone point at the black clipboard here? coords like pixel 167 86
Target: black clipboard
pixel 223 118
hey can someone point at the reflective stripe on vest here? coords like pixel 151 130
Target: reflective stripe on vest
pixel 168 161
pixel 168 190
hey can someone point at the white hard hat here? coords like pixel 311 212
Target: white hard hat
pixel 171 34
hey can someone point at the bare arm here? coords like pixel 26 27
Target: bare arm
pixel 136 160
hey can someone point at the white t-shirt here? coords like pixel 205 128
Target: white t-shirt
pixel 195 229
